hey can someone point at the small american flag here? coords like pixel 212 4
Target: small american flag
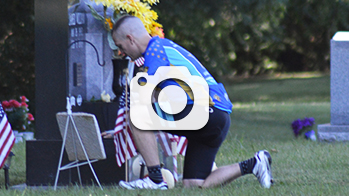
pixel 165 140
pixel 7 138
pixel 140 61
pixel 122 129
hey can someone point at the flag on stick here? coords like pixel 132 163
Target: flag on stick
pixel 174 142
pixel 122 132
pixel 7 138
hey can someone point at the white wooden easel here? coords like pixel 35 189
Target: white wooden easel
pixel 75 144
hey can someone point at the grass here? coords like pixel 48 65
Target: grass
pixel 261 118
pixel 282 89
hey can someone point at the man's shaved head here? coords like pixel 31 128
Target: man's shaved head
pixel 130 36
pixel 128 25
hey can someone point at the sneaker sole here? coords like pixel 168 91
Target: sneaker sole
pixel 267 154
pixel 125 186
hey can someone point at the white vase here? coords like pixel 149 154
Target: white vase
pixel 18 136
pixel 28 135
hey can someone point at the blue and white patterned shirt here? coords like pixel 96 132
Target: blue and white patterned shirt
pixel 164 52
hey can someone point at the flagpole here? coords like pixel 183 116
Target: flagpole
pixel 174 142
pixel 126 135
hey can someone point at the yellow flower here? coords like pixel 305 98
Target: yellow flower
pixel 106 3
pixel 155 24
pixel 151 2
pixel 138 8
pixel 128 6
pixel 156 31
pixel 109 23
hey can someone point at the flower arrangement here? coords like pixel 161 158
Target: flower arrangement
pixel 138 8
pixel 305 125
pixel 18 114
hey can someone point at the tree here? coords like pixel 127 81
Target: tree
pixel 309 26
pixel 228 37
pixel 235 37
pixel 17 70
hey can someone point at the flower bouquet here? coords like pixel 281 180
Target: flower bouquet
pixel 304 126
pixel 118 8
pixel 18 114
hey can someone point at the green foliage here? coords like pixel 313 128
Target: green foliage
pixel 228 37
pixel 255 36
pixel 17 118
pixel 17 70
pixel 309 26
pixel 106 20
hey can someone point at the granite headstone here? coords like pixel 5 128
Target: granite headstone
pixel 52 37
pixel 86 77
pixel 338 129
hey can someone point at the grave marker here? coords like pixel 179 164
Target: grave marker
pixel 86 77
pixel 53 34
pixel 338 129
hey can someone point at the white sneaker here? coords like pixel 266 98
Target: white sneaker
pixel 144 183
pixel 262 169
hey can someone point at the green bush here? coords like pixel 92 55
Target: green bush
pixel 256 36
pixel 17 70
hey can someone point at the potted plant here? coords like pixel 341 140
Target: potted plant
pixel 19 117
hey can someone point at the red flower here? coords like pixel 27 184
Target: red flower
pixel 23 99
pixel 6 105
pixel 14 103
pixel 24 104
pixel 30 117
pixel 18 113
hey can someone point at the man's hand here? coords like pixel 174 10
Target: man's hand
pixel 106 134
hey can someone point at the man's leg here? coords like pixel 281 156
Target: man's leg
pixel 198 162
pixel 220 176
pixel 259 165
pixel 201 152
pixel 147 147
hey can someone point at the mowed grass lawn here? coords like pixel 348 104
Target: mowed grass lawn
pixel 261 119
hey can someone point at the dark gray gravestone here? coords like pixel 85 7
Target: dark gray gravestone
pixel 52 37
pixel 86 77
pixel 338 129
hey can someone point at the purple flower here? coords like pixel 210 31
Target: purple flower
pixel 308 122
pixel 299 125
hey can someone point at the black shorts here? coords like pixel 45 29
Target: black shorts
pixel 203 144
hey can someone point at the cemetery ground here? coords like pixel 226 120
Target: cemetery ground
pixel 261 119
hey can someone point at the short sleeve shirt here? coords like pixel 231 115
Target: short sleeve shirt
pixel 164 52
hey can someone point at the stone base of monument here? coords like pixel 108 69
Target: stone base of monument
pixel 333 133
